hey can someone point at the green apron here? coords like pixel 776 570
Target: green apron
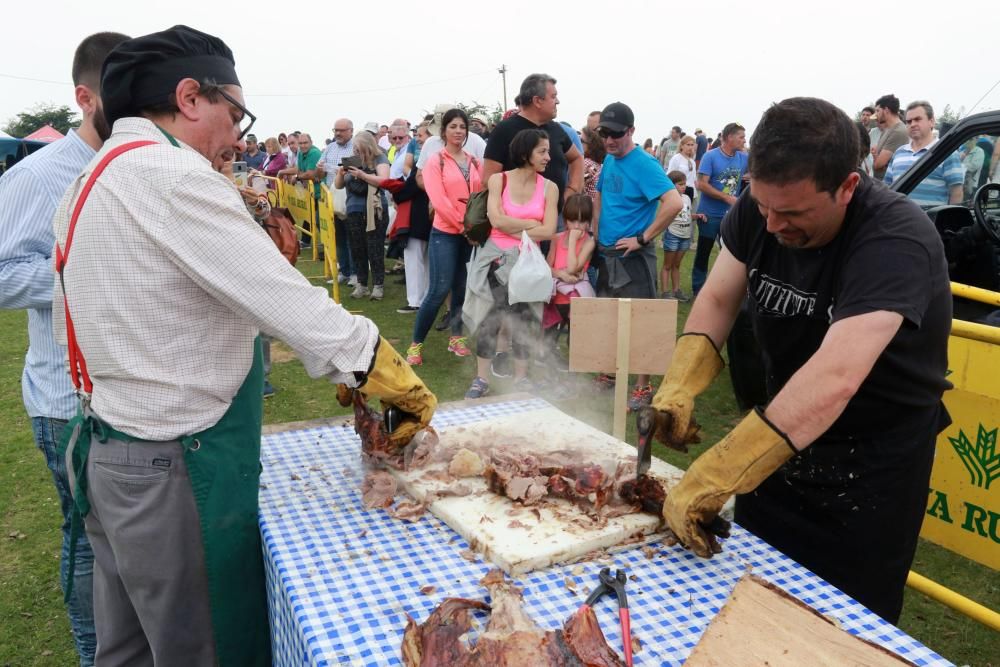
pixel 223 463
pixel 224 466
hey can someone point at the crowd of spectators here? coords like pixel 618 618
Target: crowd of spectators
pixel 427 170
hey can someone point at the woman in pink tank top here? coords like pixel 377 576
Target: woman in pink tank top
pixel 520 200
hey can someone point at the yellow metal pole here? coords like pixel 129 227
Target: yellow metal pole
pixel 982 332
pixel 976 294
pixel 314 220
pixel 950 598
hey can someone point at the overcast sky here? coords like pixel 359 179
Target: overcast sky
pixel 303 64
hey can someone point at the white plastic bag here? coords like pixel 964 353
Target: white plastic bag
pixel 339 202
pixel 531 278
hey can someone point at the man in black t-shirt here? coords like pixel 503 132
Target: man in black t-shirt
pixel 851 304
pixel 538 101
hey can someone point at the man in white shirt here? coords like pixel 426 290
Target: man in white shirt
pixel 329 162
pixel 29 193
pixel 165 457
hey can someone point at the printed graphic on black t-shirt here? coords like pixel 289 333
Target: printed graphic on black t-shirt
pixel 778 298
pixel 887 256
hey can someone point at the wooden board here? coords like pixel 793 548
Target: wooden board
pixel 554 532
pixel 594 334
pixel 761 624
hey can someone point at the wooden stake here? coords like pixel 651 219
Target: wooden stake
pixel 622 366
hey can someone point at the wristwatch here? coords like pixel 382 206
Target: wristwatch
pixel 639 237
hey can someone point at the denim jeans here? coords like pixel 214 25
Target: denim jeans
pixel 707 233
pixel 81 604
pixel 447 255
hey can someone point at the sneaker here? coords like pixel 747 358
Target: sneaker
pixel 640 397
pixel 378 292
pixel 414 354
pixel 604 381
pixel 341 278
pixel 524 384
pixel 478 388
pixel 445 321
pixel 352 281
pixel 681 296
pixel 268 389
pixel 459 346
pixel 502 365
pixel 407 310
pixel 360 292
pixel 667 295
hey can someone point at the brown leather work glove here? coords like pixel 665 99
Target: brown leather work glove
pixel 393 381
pixel 736 464
pixel 694 365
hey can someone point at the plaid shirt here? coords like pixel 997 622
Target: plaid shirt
pixel 169 280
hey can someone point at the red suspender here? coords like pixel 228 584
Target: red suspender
pixel 77 364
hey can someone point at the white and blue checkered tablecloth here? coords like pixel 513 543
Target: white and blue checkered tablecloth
pixel 342 579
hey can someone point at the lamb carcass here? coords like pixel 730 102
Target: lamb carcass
pixel 511 639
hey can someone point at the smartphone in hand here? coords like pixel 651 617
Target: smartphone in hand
pixel 350 161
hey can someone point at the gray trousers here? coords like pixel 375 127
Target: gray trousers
pixel 151 603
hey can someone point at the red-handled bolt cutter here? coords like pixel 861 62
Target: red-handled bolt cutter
pixel 615 584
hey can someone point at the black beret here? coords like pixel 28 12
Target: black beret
pixel 144 71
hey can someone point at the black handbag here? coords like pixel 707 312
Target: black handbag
pixel 357 187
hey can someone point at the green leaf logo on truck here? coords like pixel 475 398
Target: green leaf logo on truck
pixel 981 459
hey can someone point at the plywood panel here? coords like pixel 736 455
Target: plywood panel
pixel 594 335
pixel 761 624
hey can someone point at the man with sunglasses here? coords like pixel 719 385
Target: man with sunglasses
pixel 164 283
pixel 635 202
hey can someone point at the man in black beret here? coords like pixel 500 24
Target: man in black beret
pixel 162 326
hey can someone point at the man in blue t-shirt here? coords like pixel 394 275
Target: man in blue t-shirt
pixel 720 180
pixel 635 202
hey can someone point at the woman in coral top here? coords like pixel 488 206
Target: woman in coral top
pixel 521 200
pixel 449 178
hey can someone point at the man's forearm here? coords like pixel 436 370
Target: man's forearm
pixel 26 283
pixel 817 394
pixel 882 160
pixel 956 195
pixel 575 180
pixel 490 167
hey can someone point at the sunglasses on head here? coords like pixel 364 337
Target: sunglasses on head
pixel 605 133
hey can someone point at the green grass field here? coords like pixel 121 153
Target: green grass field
pixel 33 626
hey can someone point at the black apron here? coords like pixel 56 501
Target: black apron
pixel 847 508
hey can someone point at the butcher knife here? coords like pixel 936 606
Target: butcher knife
pixel 645 424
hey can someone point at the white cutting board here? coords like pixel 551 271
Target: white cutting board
pixel 556 531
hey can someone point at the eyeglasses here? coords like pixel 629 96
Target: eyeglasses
pixel 243 125
pixel 605 133
pixel 399 138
